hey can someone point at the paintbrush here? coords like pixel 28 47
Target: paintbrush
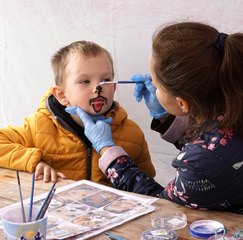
pixel 32 197
pixel 43 207
pixel 114 236
pixel 21 198
pixel 47 203
pixel 120 82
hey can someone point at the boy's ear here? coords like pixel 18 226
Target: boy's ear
pixel 59 94
pixel 183 104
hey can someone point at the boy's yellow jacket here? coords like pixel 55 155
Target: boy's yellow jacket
pixel 44 138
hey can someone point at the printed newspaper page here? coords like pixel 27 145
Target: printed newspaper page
pixel 84 209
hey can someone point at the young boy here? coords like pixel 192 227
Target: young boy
pixel 52 142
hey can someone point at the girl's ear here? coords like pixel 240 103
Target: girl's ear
pixel 183 105
pixel 59 94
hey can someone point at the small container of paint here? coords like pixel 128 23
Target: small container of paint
pixel 206 228
pixel 159 234
pixel 164 226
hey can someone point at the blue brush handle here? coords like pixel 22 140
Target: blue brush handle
pixel 127 81
pixel 114 236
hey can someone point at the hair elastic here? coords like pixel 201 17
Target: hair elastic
pixel 219 41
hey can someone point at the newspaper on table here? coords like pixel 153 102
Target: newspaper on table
pixel 84 209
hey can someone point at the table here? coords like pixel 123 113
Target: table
pixel 131 230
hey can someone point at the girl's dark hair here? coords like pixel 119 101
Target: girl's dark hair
pixel 188 65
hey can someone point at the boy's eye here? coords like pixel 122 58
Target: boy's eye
pixel 84 81
pixel 107 80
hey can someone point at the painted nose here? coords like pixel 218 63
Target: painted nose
pixel 98 89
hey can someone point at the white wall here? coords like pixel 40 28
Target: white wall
pixel 31 31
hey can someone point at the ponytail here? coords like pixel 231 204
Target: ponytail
pixel 231 82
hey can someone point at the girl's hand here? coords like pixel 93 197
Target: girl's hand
pixel 147 91
pixel 97 129
pixel 49 173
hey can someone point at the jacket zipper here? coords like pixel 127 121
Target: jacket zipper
pixel 88 163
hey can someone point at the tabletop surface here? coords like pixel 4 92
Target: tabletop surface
pixel 131 230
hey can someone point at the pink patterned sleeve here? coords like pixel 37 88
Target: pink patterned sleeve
pixel 109 156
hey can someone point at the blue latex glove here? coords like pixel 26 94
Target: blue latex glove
pixel 147 91
pixel 96 128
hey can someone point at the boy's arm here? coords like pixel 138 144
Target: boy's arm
pixel 17 147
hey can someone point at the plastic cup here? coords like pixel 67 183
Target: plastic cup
pixel 14 227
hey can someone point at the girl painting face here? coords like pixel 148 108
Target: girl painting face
pixel 81 86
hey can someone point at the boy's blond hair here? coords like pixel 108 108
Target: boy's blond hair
pixel 84 48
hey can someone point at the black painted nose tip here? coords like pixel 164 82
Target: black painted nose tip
pixel 98 88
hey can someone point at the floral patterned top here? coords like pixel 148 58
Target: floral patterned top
pixel 209 173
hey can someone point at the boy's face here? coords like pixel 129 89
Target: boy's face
pixel 81 85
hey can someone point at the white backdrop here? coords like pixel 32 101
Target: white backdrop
pixel 31 31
